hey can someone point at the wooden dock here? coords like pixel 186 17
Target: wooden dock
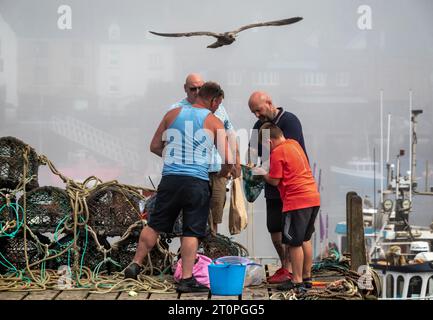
pixel 262 292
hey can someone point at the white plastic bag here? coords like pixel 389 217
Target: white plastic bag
pixel 254 275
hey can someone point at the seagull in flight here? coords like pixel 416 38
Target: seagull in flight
pixel 227 38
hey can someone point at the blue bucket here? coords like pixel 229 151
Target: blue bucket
pixel 226 279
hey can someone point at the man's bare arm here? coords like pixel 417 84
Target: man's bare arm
pixel 215 125
pixel 157 144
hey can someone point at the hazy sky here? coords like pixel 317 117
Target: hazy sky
pixel 89 91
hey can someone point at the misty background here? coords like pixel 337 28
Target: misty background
pixel 90 97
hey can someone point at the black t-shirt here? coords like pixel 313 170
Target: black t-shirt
pixel 292 129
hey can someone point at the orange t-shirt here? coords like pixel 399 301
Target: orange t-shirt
pixel 297 187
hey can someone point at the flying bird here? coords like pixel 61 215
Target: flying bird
pixel 227 38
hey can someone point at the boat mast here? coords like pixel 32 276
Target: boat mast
pixel 411 146
pixel 414 114
pixel 388 165
pixel 381 148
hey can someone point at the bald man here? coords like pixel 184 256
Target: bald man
pixel 217 179
pixel 193 83
pixel 261 105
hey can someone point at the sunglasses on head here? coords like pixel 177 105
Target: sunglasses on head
pixel 194 88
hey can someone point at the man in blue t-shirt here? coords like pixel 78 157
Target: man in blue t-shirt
pixel 261 105
pixel 184 139
pixel 217 180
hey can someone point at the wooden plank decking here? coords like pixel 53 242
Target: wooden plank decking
pixel 263 292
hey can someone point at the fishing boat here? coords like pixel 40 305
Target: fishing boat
pixel 400 252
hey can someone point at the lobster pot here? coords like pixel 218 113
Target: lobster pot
pixel 215 246
pixel 112 210
pixel 157 258
pixel 13 250
pixel 88 253
pixel 12 164
pixel 47 209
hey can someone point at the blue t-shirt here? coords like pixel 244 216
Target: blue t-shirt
pixel 221 114
pixel 181 103
pixel 189 146
pixel 292 129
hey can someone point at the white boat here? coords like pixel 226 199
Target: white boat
pixel 362 168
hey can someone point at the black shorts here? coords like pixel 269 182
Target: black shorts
pixel 298 226
pixel 176 193
pixel 274 214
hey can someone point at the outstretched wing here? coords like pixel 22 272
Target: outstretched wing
pixel 186 34
pixel 215 45
pixel 269 23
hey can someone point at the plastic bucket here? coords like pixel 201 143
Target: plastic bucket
pixel 233 260
pixel 226 279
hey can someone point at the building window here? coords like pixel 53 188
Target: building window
pixel 389 286
pixel 114 32
pixel 313 79
pixel 264 78
pixel 81 104
pixel 234 78
pixel 155 61
pixel 114 58
pixel 414 289
pixel 342 79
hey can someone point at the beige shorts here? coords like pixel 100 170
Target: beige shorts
pixel 218 198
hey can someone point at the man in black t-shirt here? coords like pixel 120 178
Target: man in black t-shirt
pixel 261 105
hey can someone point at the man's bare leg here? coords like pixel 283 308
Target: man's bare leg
pixel 146 242
pixel 188 251
pixel 297 259
pixel 282 251
pixel 307 247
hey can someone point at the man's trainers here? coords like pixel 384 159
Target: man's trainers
pixel 280 276
pixel 289 285
pixel 308 283
pixel 190 285
pixel 132 271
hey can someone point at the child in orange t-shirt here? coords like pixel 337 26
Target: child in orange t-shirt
pixel 290 171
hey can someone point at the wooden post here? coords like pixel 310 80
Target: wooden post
pixel 349 196
pixel 355 229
